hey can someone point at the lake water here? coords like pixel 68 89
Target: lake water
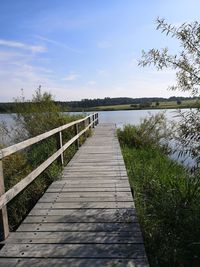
pixel 121 118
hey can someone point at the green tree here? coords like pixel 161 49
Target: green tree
pixel 187 66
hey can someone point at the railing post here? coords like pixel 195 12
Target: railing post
pixel 97 116
pixel 85 125
pixel 4 227
pixel 89 120
pixel 76 132
pixel 59 145
pixel 93 118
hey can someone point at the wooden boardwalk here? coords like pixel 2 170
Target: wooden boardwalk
pixel 85 219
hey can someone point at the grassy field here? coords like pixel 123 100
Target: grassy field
pixel 162 105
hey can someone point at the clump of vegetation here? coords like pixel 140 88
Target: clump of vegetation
pixel 167 201
pixel 167 196
pixel 40 115
pixel 150 132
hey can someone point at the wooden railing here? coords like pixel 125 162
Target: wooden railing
pixel 5 197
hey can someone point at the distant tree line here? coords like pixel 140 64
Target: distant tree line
pixel 108 101
pixel 89 103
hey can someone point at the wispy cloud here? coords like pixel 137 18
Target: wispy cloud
pixel 19 45
pixel 54 42
pixel 72 76
pixel 104 44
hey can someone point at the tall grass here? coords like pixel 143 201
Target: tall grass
pixel 167 199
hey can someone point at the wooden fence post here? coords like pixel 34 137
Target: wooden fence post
pixel 76 128
pixel 85 125
pixel 97 116
pixel 93 118
pixel 59 145
pixel 89 121
pixel 4 227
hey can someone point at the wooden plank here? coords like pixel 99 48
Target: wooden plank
pixel 88 188
pixel 120 251
pixel 76 218
pixel 85 262
pixel 79 227
pixel 85 199
pixel 85 205
pixel 87 194
pixel 84 212
pixel 75 238
pixel 94 168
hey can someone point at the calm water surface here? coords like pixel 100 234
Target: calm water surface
pixel 123 117
pixel 120 118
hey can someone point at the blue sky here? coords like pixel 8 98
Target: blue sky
pixel 86 48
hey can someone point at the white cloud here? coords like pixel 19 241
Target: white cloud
pixel 14 44
pixel 104 44
pixel 54 42
pixel 71 77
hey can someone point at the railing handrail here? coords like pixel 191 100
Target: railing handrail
pixel 4 152
pixel 6 197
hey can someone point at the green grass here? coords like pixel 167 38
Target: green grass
pixel 162 105
pixel 166 195
pixel 167 201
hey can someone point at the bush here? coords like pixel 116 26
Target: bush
pixel 150 132
pixel 41 114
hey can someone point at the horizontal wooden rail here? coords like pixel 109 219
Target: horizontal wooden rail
pixel 16 189
pixel 14 148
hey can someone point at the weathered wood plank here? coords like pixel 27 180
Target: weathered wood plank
pixel 87 188
pixel 66 212
pixel 87 194
pixel 79 227
pixel 85 262
pixel 120 251
pixel 75 238
pixel 85 205
pixel 85 199
pixel 90 215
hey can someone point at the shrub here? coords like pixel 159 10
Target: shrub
pixel 150 132
pixel 39 115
